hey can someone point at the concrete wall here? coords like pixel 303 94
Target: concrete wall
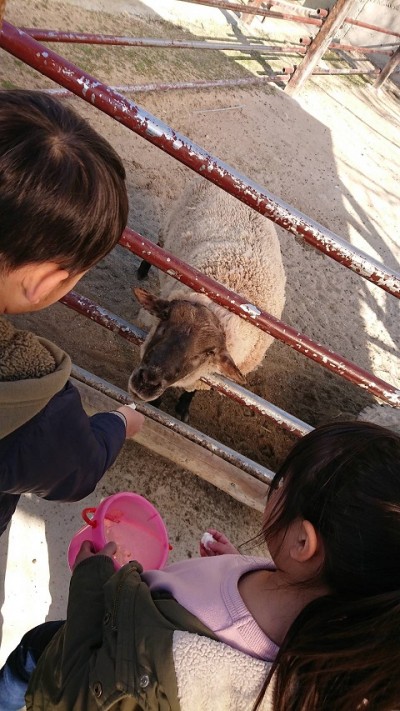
pixel 384 13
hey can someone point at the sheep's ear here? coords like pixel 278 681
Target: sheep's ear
pixel 228 368
pixel 158 307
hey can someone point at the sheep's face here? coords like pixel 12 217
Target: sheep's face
pixel 188 342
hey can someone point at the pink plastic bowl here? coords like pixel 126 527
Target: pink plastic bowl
pixel 133 523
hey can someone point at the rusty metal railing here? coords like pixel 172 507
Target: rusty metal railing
pixel 190 154
pixel 108 100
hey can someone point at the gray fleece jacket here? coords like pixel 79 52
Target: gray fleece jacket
pixel 32 370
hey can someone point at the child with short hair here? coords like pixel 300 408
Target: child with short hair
pixel 63 207
pixel 313 627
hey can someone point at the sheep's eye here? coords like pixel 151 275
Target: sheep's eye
pixel 210 351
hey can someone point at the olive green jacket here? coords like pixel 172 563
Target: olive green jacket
pixel 115 650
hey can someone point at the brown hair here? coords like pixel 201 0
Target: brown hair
pixel 342 653
pixel 62 186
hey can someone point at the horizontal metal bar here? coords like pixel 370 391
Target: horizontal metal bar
pixel 166 261
pixel 369 72
pixel 104 317
pixel 359 23
pixel 180 147
pixel 278 329
pixel 44 35
pixel 249 10
pixel 306 41
pixel 133 334
pixel 355 48
pixel 220 450
pixel 321 12
pixel 257 404
pixel 200 84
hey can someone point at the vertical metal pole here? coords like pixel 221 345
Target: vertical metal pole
pixel 319 45
pixel 2 10
pixel 246 17
pixel 388 69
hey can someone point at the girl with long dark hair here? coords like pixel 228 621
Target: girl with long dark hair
pixel 313 627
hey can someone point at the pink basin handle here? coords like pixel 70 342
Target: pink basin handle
pixel 85 515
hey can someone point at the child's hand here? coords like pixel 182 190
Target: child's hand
pixel 220 546
pixel 87 551
pixel 134 420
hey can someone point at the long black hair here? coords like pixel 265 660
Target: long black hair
pixel 342 653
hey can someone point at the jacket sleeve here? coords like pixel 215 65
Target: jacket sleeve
pixel 61 678
pixel 61 453
pixel 84 625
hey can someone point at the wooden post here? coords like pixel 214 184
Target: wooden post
pixel 388 69
pixel 318 46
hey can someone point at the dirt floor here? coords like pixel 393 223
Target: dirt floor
pixel 333 154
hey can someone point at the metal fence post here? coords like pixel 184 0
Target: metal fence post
pixel 2 10
pixel 388 69
pixel 246 17
pixel 318 46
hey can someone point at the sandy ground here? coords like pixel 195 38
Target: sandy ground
pixel 333 154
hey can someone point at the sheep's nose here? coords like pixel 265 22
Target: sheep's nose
pixel 150 376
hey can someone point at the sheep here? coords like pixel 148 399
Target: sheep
pixel 190 335
pixel 383 415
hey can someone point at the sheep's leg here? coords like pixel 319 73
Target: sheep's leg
pixel 143 269
pixel 183 405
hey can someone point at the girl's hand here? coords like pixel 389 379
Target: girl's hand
pixel 87 551
pixel 220 546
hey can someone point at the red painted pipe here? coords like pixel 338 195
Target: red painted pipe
pixel 133 334
pixel 370 72
pixel 201 84
pixel 180 147
pixel 306 11
pixel 362 50
pixel 306 41
pixel 249 10
pixel 330 360
pixel 88 38
pixel 270 324
pixel 350 21
pixel 321 12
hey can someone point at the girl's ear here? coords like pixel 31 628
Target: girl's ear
pixel 307 543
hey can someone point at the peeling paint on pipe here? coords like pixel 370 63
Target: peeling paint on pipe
pixel 382 30
pixel 134 117
pixel 249 10
pixel 229 455
pixel 133 334
pixel 44 35
pixel 166 261
pixel 176 86
pixel 197 281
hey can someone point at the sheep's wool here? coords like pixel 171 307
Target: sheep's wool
pixel 231 243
